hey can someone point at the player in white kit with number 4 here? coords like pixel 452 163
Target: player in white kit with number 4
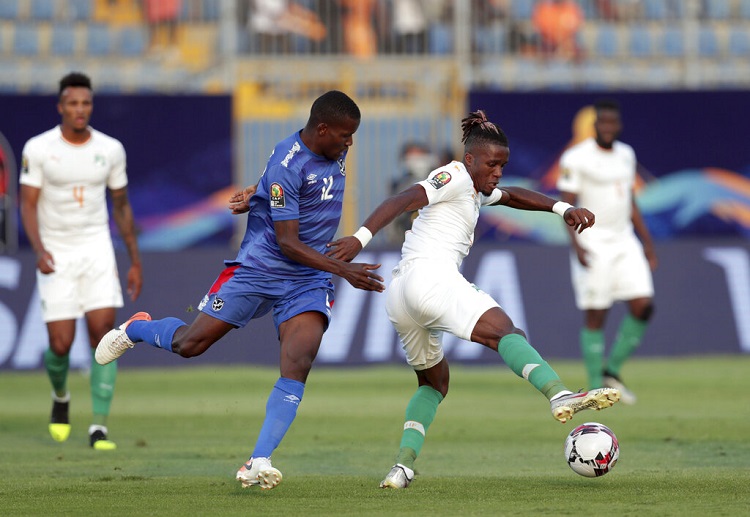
pixel 65 174
pixel 428 295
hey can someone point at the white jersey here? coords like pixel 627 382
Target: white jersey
pixel 603 181
pixel 444 229
pixel 73 179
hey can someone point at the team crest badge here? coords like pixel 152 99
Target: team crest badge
pixel 24 165
pixel 217 304
pixel 276 195
pixel 342 166
pixel 440 180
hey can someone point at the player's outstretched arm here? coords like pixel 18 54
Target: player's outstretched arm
pixel 360 275
pixel 523 199
pixel 346 248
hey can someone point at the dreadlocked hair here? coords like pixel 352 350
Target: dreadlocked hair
pixel 477 129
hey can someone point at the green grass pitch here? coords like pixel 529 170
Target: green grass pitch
pixel 493 449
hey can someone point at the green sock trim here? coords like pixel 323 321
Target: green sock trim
pixel 592 350
pixel 57 370
pixel 526 362
pixel 102 389
pixel 628 338
pixel 420 412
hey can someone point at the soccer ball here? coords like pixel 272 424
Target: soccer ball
pixel 591 449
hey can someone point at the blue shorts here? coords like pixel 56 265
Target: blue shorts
pixel 240 295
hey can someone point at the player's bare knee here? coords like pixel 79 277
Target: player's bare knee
pixel 645 313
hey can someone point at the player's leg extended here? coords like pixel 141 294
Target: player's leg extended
pixel 57 362
pixel 496 330
pixel 526 362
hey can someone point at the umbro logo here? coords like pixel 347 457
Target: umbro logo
pixel 312 178
pixel 294 399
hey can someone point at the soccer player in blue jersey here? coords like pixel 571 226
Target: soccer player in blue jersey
pixel 281 267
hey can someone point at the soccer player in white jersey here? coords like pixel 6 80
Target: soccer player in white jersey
pixel 65 174
pixel 609 263
pixel 428 295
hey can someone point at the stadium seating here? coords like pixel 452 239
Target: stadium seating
pixel 26 40
pixel 63 40
pixel 43 10
pixel 98 40
pixel 708 42
pixel 491 40
pixel 440 39
pixel 640 44
pixel 522 9
pixel 133 41
pixel 79 10
pixel 9 9
pixel 739 41
pixel 672 42
pixel 607 40
pixel 717 9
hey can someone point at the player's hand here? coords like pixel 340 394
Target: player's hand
pixel 45 263
pixel 579 218
pixel 239 203
pixel 344 249
pixel 361 276
pixel 135 281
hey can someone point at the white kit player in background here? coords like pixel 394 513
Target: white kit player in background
pixel 608 263
pixel 65 174
pixel 428 295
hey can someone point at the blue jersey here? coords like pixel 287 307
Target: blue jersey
pixel 296 184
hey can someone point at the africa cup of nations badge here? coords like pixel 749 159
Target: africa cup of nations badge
pixel 276 194
pixel 440 180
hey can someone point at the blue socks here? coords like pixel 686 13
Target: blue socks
pixel 281 409
pixel 157 333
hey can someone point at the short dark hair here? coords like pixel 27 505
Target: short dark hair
pixel 74 79
pixel 606 104
pixel 478 130
pixel 333 106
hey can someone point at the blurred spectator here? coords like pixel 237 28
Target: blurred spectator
pixel 558 23
pixel 417 161
pixel 360 38
pixel 409 27
pixel 275 23
pixel 161 16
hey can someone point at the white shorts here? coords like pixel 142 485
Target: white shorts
pixel 617 271
pixel 84 280
pixel 425 299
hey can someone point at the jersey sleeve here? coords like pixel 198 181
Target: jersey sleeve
pixel 570 176
pixel 440 185
pixel 493 198
pixel 32 172
pixel 283 193
pixel 118 177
